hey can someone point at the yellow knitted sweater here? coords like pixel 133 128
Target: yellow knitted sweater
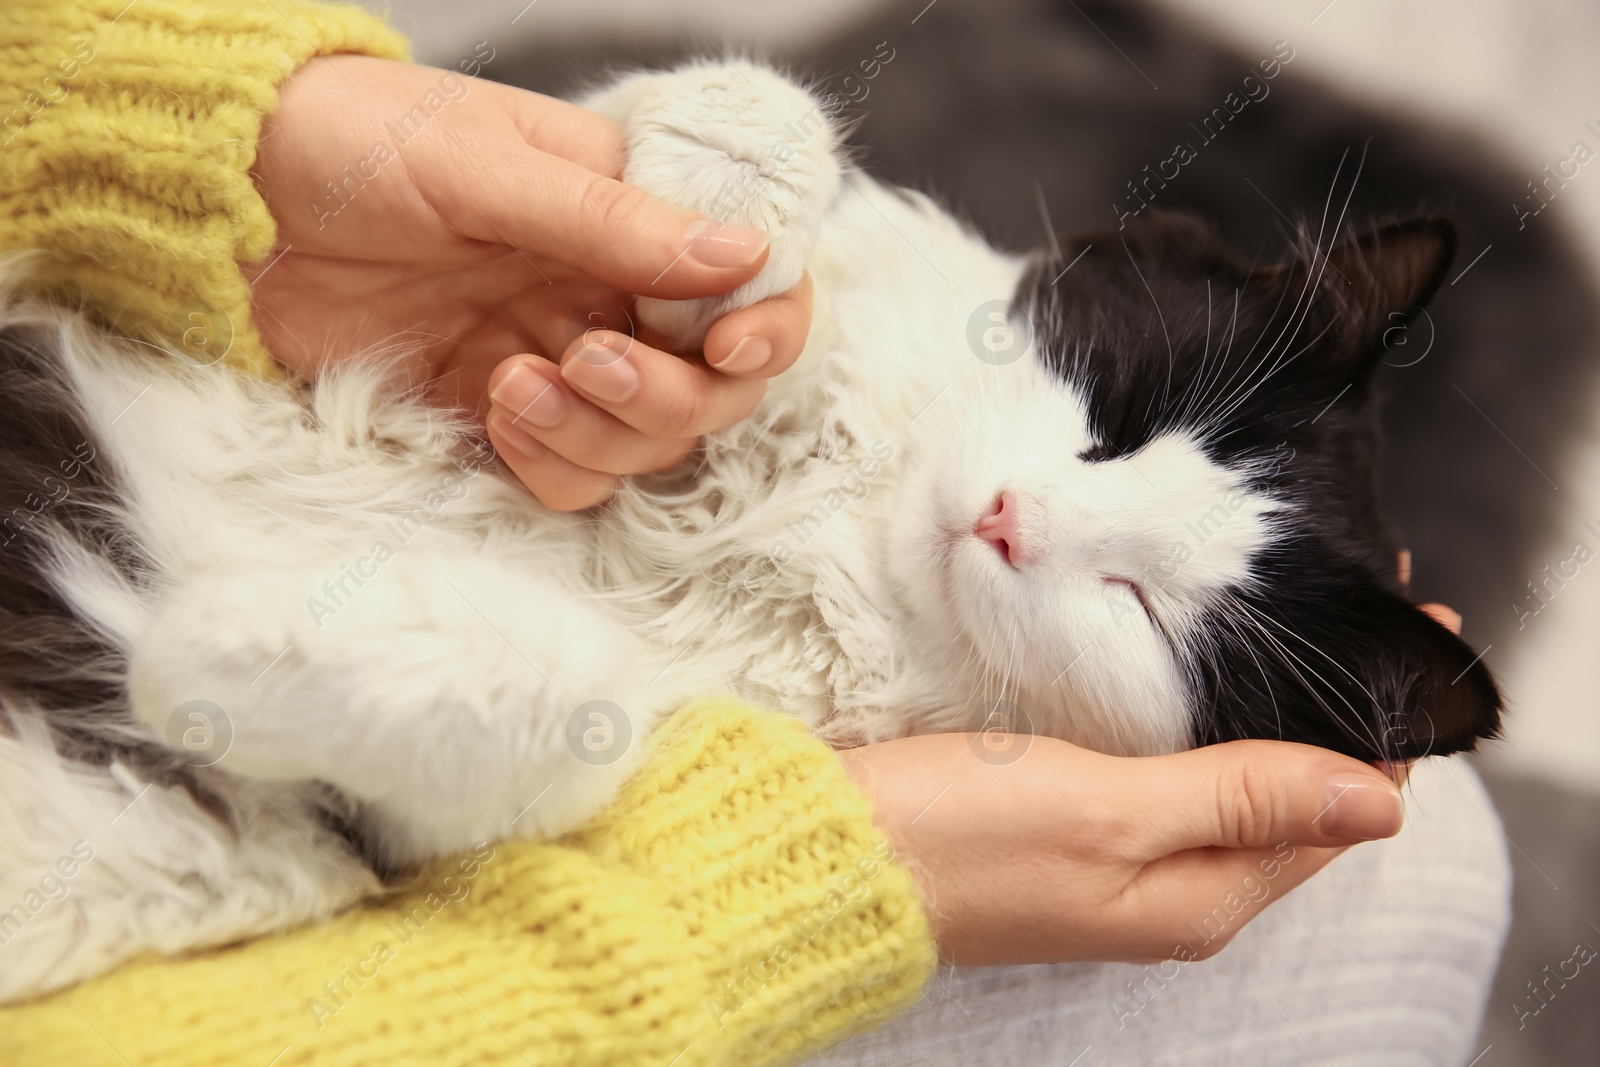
pixel 734 906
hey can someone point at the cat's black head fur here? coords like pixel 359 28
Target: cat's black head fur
pixel 1161 328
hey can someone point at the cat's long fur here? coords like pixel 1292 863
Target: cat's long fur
pixel 389 651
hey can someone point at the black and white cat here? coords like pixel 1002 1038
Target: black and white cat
pixel 261 642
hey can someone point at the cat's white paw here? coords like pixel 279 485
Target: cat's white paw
pixel 739 143
pixel 457 696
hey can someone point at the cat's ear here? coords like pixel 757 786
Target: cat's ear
pixel 1394 269
pixel 1430 690
pixel 1381 279
pixel 1442 696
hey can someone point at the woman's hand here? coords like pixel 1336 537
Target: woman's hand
pixel 486 225
pixel 1031 850
pixel 1048 852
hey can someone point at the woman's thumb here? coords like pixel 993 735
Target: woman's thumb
pixel 616 232
pixel 1252 794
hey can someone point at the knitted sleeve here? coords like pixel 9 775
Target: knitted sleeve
pixel 734 906
pixel 127 133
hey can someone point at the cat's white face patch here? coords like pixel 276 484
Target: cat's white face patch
pixel 1076 580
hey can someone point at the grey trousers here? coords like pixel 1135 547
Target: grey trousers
pixel 1384 959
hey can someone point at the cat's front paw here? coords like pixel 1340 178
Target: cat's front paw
pixel 739 143
pixel 454 695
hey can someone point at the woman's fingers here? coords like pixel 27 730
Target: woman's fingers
pixel 1189 905
pixel 617 406
pixel 762 340
pixel 1447 617
pixel 654 392
pixel 557 482
pixel 533 395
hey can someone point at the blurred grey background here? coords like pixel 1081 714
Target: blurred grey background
pixel 1494 455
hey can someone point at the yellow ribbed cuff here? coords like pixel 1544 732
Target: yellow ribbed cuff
pixel 733 907
pixel 127 149
pixel 765 848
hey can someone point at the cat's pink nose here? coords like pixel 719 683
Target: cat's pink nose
pixel 998 526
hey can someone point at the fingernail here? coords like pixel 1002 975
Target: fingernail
pixel 601 367
pixel 514 436
pixel 717 245
pixel 530 397
pixel 749 354
pixel 1359 809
